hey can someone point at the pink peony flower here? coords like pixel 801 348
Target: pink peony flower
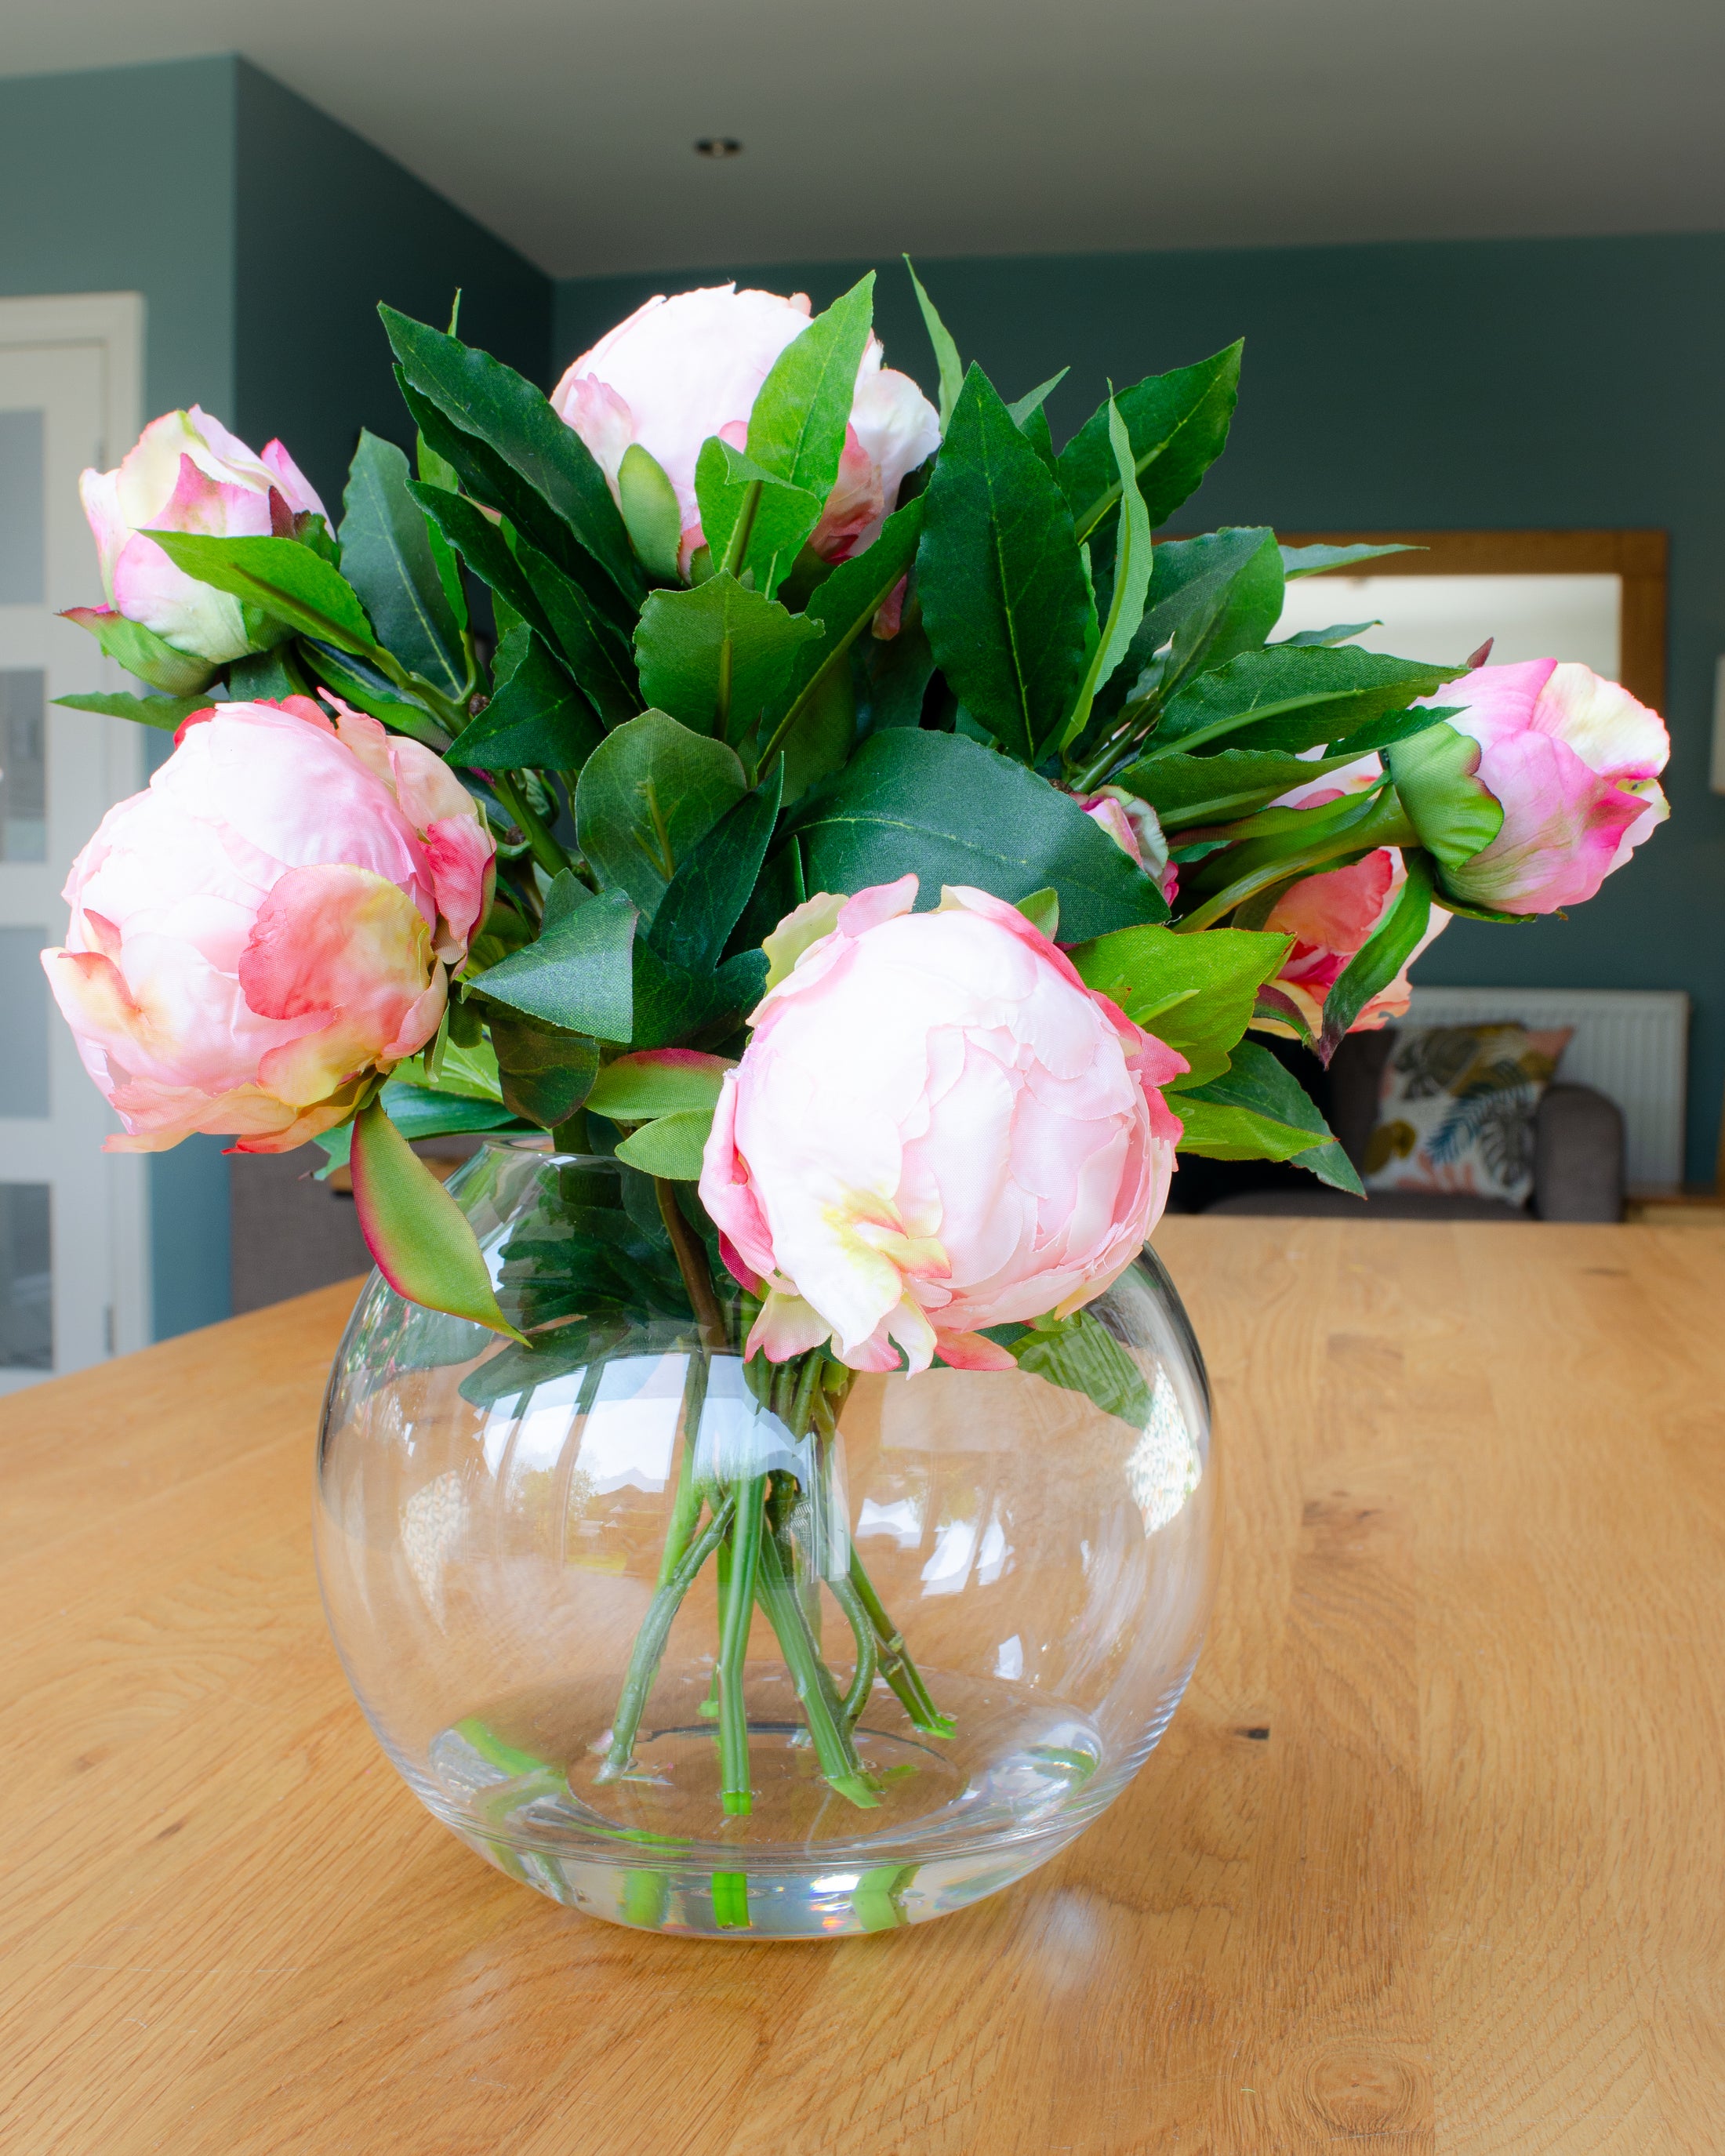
pixel 270 922
pixel 1575 760
pixel 681 370
pixel 1135 828
pixel 186 473
pixel 936 1128
pixel 1332 915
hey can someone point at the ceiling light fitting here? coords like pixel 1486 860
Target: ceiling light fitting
pixel 718 146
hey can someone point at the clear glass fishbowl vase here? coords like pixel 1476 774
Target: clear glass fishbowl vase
pixel 706 1647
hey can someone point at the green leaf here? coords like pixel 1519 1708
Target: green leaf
pixel 1023 409
pixel 1331 1165
pixel 823 736
pixel 896 672
pixel 1081 1354
pixel 535 720
pixel 797 426
pixel 1131 585
pixel 168 713
pixel 729 486
pixel 647 796
pixel 546 470
pixel 142 653
pixel 286 580
pixel 1005 601
pixel 546 1072
pixel 946 352
pixel 717 657
pixel 1209 598
pixel 1196 993
pixel 651 512
pixel 1217 788
pixel 672 1004
pixel 1313 561
pixel 355 680
pixel 420 1112
pixel 1177 425
pixel 414 1230
pixel 386 556
pixel 1257 1110
pixel 845 605
pixel 639 1089
pixel 1455 814
pixel 577 974
pixel 705 899
pixel 670 1148
pixel 951 812
pixel 1381 957
pixel 1290 699
pixel 1340 632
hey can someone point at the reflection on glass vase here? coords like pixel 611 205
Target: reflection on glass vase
pixel 970 1600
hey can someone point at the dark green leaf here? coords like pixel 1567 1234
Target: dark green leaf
pixel 1454 811
pixel 356 681
pixel 1295 699
pixel 823 735
pixel 672 1006
pixel 895 674
pixel 705 899
pixel 1178 423
pixel 168 713
pixel 386 556
pixel 594 648
pixel 1257 1110
pixel 651 512
pixel 950 812
pixel 647 797
pixel 577 974
pixel 1130 585
pixel 1313 561
pixel 1081 1354
pixel 1004 598
pixel 1209 598
pixel 1331 1165
pixel 797 425
pixel 718 657
pixel 846 603
pixel 287 581
pixel 486 403
pixel 1195 993
pixel 142 653
pixel 546 1072
pixel 518 1372
pixel 946 360
pixel 534 720
pixel 1217 788
pixel 1340 632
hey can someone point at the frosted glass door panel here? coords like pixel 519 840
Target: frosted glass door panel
pixel 60 1196
pixel 1446 619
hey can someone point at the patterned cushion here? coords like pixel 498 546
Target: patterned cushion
pixel 1456 1109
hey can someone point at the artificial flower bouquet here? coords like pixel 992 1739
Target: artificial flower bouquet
pixel 858 829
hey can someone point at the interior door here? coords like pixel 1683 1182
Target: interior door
pixel 72 1277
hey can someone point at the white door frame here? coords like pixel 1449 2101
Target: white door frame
pixel 112 324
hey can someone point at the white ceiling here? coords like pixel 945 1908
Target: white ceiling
pixel 979 126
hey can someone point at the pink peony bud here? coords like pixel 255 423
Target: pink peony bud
pixel 269 922
pixel 681 370
pixel 1135 828
pixel 1574 761
pixel 936 1128
pixel 186 473
pixel 1332 915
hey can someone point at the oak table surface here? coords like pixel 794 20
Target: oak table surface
pixel 1432 1858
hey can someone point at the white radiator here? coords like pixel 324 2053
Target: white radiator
pixel 1631 1044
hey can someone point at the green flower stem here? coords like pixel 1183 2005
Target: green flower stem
pixel 570 1135
pixel 686 1511
pixel 868 1659
pixel 691 1264
pixel 650 1645
pixel 747 1524
pixel 545 848
pixel 899 1672
pixel 821 1707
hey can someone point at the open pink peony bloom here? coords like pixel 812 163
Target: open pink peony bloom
pixel 1575 760
pixel 681 370
pixel 936 1128
pixel 186 473
pixel 267 924
pixel 1332 915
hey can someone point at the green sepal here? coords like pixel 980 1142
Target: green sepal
pixel 1455 814
pixel 166 713
pixel 420 1112
pixel 644 1087
pixel 1381 957
pixel 415 1231
pixel 651 511
pixel 142 653
pixel 670 1147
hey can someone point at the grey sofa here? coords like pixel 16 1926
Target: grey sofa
pixel 1577 1156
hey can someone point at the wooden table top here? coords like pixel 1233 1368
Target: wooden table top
pixel 1430 1860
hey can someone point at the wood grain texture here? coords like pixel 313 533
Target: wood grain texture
pixel 1429 1864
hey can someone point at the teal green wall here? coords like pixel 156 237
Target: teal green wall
pixel 1499 384
pixel 261 235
